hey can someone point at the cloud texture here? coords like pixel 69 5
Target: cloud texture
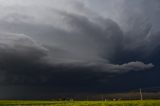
pixel 69 44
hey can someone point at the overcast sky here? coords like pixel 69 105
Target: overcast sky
pixel 78 46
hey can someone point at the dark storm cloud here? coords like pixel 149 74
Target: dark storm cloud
pixel 18 54
pixel 128 12
pixel 74 50
pixel 23 61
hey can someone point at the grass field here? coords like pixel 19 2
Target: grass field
pixel 80 103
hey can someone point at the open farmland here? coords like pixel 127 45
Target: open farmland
pixel 80 103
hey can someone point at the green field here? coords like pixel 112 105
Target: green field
pixel 80 103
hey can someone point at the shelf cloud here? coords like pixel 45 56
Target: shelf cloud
pixel 71 44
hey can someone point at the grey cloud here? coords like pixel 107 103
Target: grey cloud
pixel 123 68
pixel 69 47
pixel 82 46
pixel 96 39
pixel 135 66
pixel 86 41
pixel 18 52
pixel 23 61
pixel 126 11
pixel 19 44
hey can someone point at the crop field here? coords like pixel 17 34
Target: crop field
pixel 80 103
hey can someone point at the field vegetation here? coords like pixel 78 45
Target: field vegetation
pixel 80 103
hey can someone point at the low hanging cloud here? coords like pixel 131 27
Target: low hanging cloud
pixel 18 53
pixel 24 61
pixel 123 68
pixel 20 45
pixel 131 66
pixel 62 47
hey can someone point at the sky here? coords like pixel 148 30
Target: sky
pixel 52 47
